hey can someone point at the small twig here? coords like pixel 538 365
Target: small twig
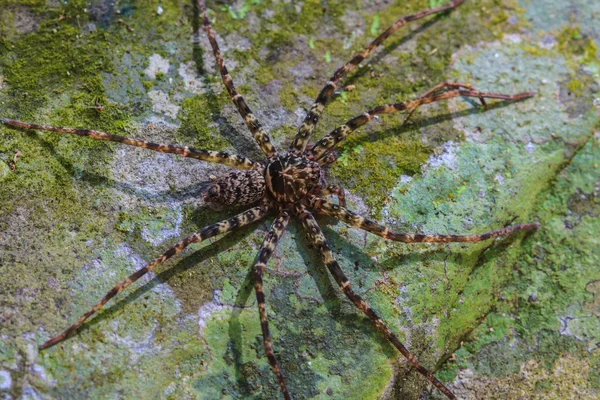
pixel 13 164
pixel 129 28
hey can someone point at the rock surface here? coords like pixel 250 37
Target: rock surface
pixel 514 318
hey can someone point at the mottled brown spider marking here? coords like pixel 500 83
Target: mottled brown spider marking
pixel 331 189
pixel 237 188
pixel 351 218
pixel 219 157
pixel 289 178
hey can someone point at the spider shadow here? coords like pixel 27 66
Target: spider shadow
pixel 433 120
pixel 339 309
pixel 235 331
pixel 334 303
pixel 188 262
pixel 392 45
pixel 333 299
pixel 95 179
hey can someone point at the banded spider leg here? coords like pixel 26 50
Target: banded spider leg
pixel 312 117
pixel 228 225
pixel 442 91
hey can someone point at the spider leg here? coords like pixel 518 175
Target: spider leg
pixel 312 117
pixel 317 237
pixel 330 159
pixel 224 226
pixel 444 85
pixel 260 136
pixel 331 189
pixel 219 157
pixel 264 254
pixel 329 141
pixel 356 220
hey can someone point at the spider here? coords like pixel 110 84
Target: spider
pixel 292 184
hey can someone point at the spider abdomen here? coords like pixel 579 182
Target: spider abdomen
pixel 290 177
pixel 237 188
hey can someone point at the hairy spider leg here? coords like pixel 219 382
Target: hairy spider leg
pixel 353 219
pixel 259 134
pixel 331 189
pixel 319 241
pixel 329 141
pixel 312 117
pixel 219 157
pixel 264 254
pixel 228 225
pixel 440 86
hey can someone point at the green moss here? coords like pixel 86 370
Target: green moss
pixel 572 43
pixel 6 23
pixel 38 6
pixel 284 131
pixel 196 123
pixel 285 15
pixel 40 66
pixel 288 96
pixel 372 166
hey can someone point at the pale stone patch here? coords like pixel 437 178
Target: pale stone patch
pixel 169 227
pixel 446 158
pixel 513 38
pixel 161 104
pixel 406 179
pixel 156 64
pixel 5 380
pixel 207 310
pixel 190 78
pixel 530 147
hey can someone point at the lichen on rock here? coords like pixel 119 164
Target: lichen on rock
pixel 78 215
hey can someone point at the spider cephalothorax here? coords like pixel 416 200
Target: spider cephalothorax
pixel 291 177
pixel 286 179
pixel 291 184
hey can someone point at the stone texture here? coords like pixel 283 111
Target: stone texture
pixel 513 318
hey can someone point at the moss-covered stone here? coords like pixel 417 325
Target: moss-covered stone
pixel 77 215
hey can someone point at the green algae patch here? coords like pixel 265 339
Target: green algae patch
pixel 376 164
pixel 572 42
pixel 81 227
pixel 38 67
pixel 495 176
pixel 544 313
pixel 567 375
pixel 197 128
